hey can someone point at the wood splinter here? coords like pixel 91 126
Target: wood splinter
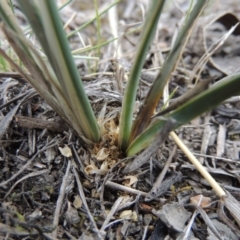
pixel 28 122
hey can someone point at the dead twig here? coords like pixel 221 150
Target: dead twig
pixel 104 183
pixel 208 221
pixel 165 186
pixel 100 234
pixel 31 92
pixel 60 200
pixel 29 162
pixel 219 158
pixel 233 207
pixel 31 136
pixel 157 185
pixel 8 118
pixel 125 189
pixel 11 75
pixel 29 122
pixel 226 199
pixel 111 213
pixel 222 216
pixel 147 219
pixel 207 132
pixel 221 140
pixel 218 190
pixel 33 174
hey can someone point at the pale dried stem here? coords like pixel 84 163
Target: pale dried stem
pixel 125 189
pixel 161 176
pixel 29 162
pixel 32 174
pixel 219 191
pixel 60 200
pixel 83 198
pixel 111 213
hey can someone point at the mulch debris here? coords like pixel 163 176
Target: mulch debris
pixel 55 186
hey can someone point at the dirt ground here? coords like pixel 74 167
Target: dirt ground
pixel 46 193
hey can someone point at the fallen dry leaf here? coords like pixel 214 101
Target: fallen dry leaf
pixel 174 215
pixel 65 151
pixel 89 169
pixel 200 200
pixel 134 216
pixel 129 180
pixel 77 203
pixel 102 154
pixel 104 165
pixel 126 214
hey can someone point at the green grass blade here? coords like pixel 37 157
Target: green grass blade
pixel 156 91
pixel 98 28
pixel 227 87
pixel 93 19
pixel 8 17
pixel 147 35
pixel 7 14
pixel 64 5
pixel 41 87
pixel 51 93
pixel 47 25
pixel 3 63
pixel 91 48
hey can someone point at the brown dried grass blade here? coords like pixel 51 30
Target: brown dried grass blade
pixel 233 207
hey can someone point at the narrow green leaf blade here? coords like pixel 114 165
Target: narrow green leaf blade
pixel 227 87
pixel 50 92
pixel 148 32
pixel 156 91
pixel 53 39
pixel 93 19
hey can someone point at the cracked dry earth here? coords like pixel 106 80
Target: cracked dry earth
pixel 55 186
